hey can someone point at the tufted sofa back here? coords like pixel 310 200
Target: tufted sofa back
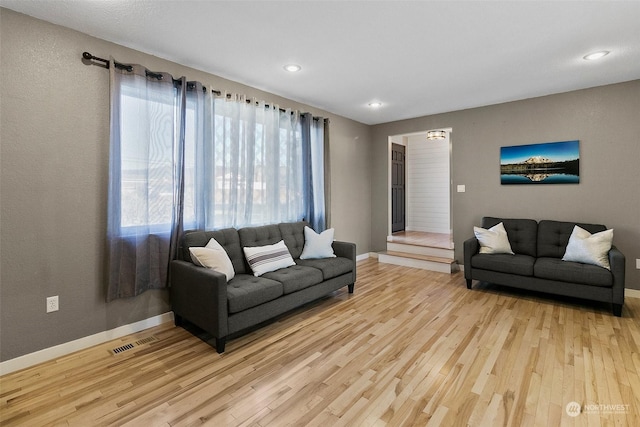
pixel 233 241
pixel 293 235
pixel 522 233
pixel 539 239
pixel 553 236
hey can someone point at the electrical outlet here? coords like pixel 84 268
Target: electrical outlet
pixel 52 304
pixel 638 263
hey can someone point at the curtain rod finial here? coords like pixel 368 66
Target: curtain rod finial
pixel 87 58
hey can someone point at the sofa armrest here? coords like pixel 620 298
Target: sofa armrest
pixel 200 295
pixel 471 247
pixel 617 263
pixel 346 250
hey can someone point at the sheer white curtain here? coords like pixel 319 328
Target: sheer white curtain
pixel 199 197
pixel 257 164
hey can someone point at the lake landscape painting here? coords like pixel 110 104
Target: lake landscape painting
pixel 547 163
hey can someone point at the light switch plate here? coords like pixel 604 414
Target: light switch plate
pixel 638 264
pixel 461 188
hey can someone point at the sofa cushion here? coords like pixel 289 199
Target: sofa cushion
pixel 318 246
pixel 295 278
pixel 245 291
pixel 258 236
pixel 572 272
pixel 330 267
pixel 522 233
pixel 504 263
pixel 589 248
pixel 263 259
pixel 553 236
pixel 228 239
pixel 213 256
pixel 493 240
pixel 293 235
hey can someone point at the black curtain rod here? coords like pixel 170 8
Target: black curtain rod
pixel 105 64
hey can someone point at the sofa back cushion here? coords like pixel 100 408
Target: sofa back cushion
pixel 259 236
pixel 293 235
pixel 553 236
pixel 522 233
pixel 228 239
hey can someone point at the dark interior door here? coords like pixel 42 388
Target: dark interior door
pixel 397 188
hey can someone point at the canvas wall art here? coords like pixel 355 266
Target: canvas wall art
pixel 547 163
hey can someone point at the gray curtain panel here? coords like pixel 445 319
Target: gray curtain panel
pixel 145 177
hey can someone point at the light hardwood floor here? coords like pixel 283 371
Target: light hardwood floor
pixel 409 347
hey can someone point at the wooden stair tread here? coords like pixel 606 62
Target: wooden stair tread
pixel 422 239
pixel 441 260
pixel 422 245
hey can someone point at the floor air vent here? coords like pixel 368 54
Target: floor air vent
pixel 122 348
pixel 129 346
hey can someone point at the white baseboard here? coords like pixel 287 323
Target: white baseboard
pixel 362 257
pixel 632 293
pixel 46 354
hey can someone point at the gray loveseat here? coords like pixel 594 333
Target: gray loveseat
pixel 203 297
pixel 537 264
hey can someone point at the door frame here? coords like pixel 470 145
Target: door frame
pixel 402 139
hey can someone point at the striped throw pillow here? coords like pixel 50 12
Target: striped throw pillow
pixel 263 259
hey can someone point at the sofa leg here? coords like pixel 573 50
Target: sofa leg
pixel 351 286
pixel 220 343
pixel 617 310
pixel 468 283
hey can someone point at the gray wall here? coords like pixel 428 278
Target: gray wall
pixel 54 115
pixel 605 119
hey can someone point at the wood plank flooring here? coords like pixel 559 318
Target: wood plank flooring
pixel 409 348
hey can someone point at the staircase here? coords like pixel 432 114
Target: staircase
pixel 428 251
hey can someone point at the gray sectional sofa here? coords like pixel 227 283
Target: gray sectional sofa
pixel 203 297
pixel 537 263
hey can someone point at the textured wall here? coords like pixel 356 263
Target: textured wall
pixel 54 154
pixel 604 119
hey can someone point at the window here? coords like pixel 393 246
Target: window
pixel 257 166
pixel 148 125
pixel 182 159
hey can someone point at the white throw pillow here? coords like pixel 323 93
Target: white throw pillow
pixel 317 245
pixel 493 240
pixel 263 259
pixel 213 256
pixel 588 248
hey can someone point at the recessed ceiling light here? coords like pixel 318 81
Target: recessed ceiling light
pixel 292 68
pixel 375 104
pixel 596 55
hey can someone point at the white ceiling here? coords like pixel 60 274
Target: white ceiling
pixel 416 57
